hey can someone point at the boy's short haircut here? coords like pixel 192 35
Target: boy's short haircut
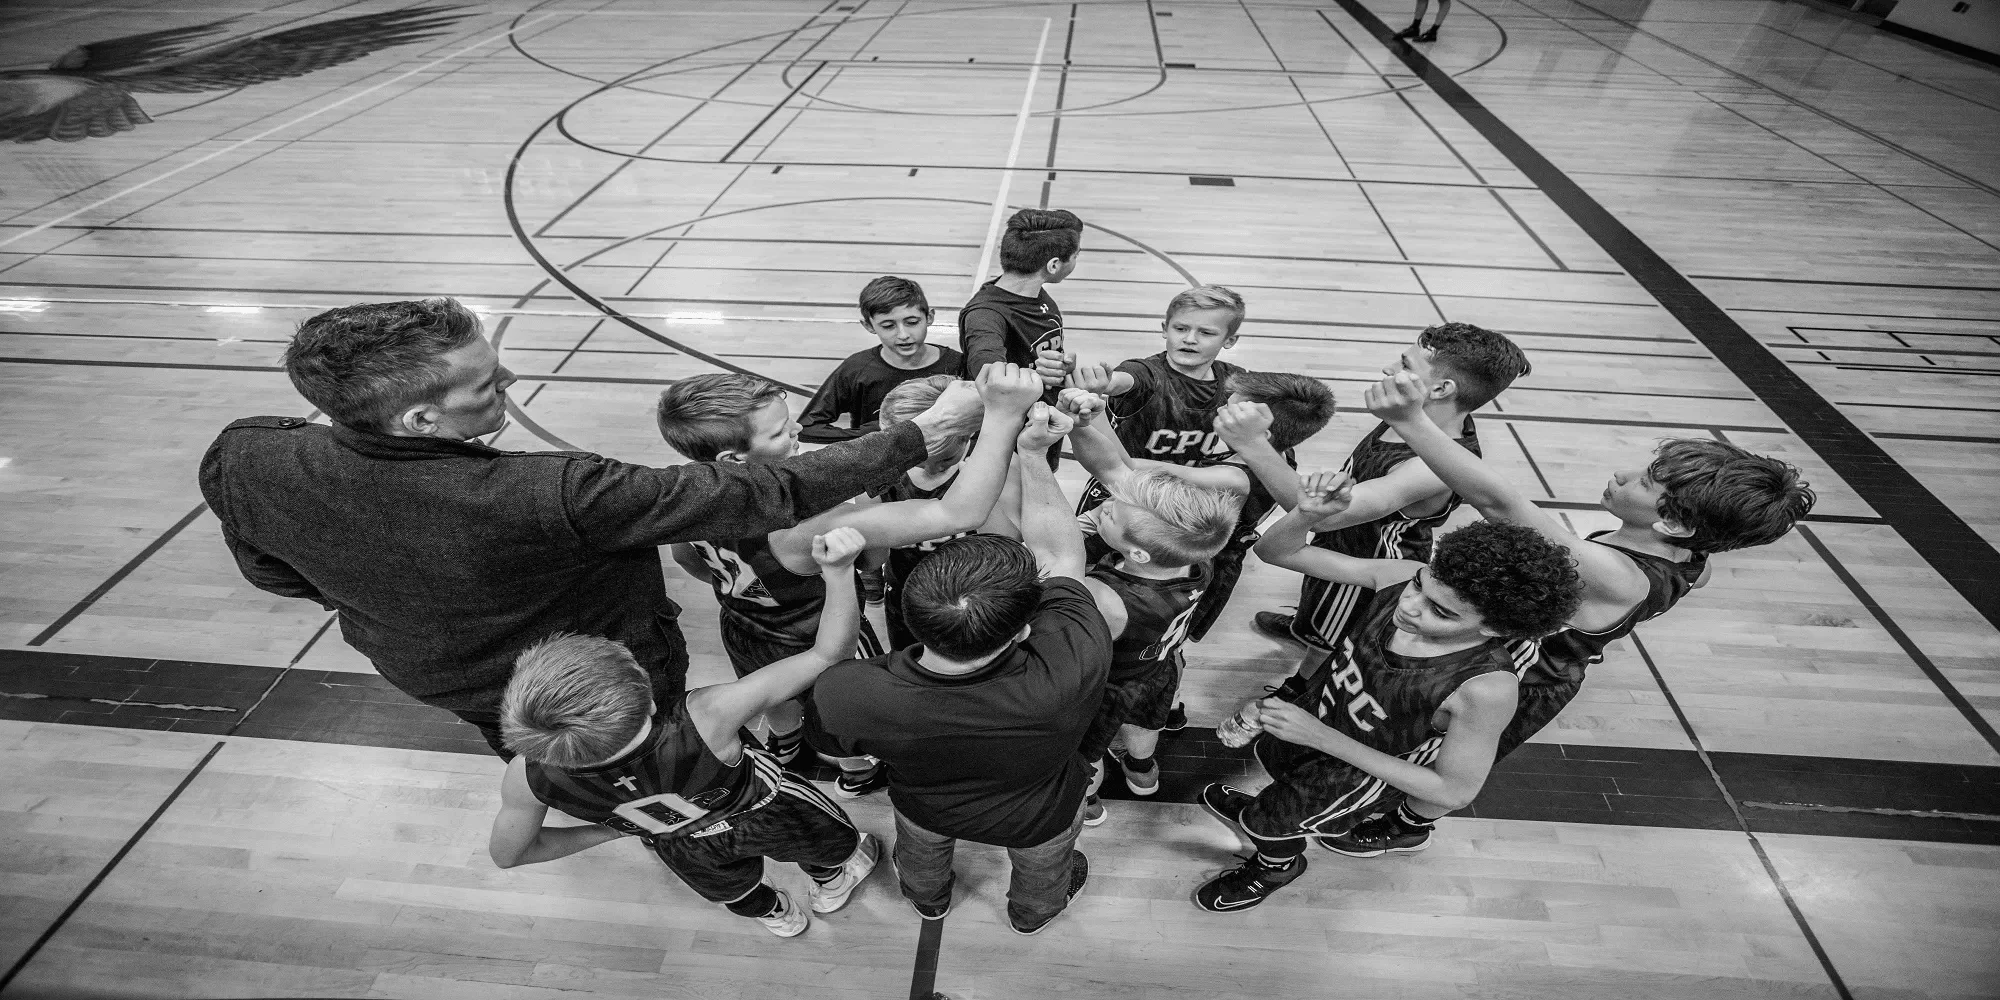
pixel 574 701
pixel 971 596
pixel 889 292
pixel 1731 498
pixel 1482 362
pixel 1522 584
pixel 1036 236
pixel 1175 521
pixel 705 415
pixel 1209 297
pixel 1300 404
pixel 363 365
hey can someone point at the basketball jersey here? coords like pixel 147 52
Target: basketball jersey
pixel 904 558
pixel 631 794
pixel 1033 326
pixel 1157 616
pixel 1561 658
pixel 1175 422
pixel 750 581
pixel 1227 566
pixel 1388 701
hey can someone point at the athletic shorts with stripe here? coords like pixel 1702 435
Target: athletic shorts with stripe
pixel 752 645
pixel 1313 793
pixel 800 825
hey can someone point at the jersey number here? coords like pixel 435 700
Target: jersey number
pixel 660 814
pixel 733 576
pixel 1176 632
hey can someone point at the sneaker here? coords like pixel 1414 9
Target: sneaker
pixel 830 896
pixel 855 784
pixel 1271 623
pixel 1227 802
pixel 1079 873
pixel 1409 32
pixel 1176 719
pixel 789 921
pixel 1246 885
pixel 1094 813
pixel 1378 836
pixel 1429 36
pixel 927 912
pixel 1143 783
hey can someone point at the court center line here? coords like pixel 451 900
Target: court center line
pixel 1007 172
pixel 116 578
pixel 240 143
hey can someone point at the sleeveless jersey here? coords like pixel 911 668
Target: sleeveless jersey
pixel 629 794
pixel 750 581
pixel 1176 421
pixel 1561 658
pixel 1394 535
pixel 904 558
pixel 1389 701
pixel 1227 566
pixel 1157 616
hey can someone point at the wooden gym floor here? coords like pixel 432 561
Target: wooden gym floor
pixel 1752 220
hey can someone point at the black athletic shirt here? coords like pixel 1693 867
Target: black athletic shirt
pixel 750 581
pixel 998 325
pixel 1389 701
pixel 1393 535
pixel 672 760
pixel 904 558
pixel 1228 563
pixel 990 756
pixel 1157 616
pixel 1561 658
pixel 857 387
pixel 1167 416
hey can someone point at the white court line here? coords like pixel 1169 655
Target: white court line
pixel 1006 173
pixel 37 304
pixel 240 143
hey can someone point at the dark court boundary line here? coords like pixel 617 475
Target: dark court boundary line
pixel 116 578
pixel 105 872
pixel 1942 538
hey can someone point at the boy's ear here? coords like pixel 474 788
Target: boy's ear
pixel 1138 555
pixel 1673 529
pixel 1230 341
pixel 731 455
pixel 1444 389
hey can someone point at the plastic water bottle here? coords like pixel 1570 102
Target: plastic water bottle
pixel 1239 729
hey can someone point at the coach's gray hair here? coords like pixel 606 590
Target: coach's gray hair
pixel 574 701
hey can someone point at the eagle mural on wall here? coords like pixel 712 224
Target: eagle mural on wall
pixel 88 92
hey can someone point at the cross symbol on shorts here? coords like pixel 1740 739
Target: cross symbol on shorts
pixel 627 783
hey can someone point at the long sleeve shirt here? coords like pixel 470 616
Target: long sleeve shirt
pixel 855 389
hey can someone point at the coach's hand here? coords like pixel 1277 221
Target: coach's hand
pixel 957 409
pixel 1046 426
pixel 1399 398
pixel 1008 388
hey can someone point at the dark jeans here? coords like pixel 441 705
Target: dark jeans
pixel 1037 891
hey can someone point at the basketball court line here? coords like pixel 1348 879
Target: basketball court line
pixel 993 224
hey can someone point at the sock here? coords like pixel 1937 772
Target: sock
pixel 1278 853
pixel 785 746
pixel 1410 817
pixel 1275 863
pixel 1141 765
pixel 762 902
pixel 821 875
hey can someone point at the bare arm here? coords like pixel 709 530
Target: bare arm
pixel 1246 429
pixel 691 562
pixel 518 836
pixel 1479 712
pixel 1110 605
pixel 1322 496
pixel 1048 528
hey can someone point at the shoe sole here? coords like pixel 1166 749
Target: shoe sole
pixel 874 858
pixel 864 793
pixel 1328 845
pixel 926 916
pixel 1099 821
pixel 1152 789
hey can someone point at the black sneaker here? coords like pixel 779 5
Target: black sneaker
pixel 1429 36
pixel 1409 32
pixel 1227 802
pixel 1277 626
pixel 1377 836
pixel 1176 719
pixel 931 912
pixel 1246 885
pixel 855 784
pixel 1079 873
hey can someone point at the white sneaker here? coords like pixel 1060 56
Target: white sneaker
pixel 830 896
pixel 789 921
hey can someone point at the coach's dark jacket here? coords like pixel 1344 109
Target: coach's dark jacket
pixel 446 558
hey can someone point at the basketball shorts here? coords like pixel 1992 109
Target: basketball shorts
pixel 1141 701
pixel 1312 793
pixel 753 645
pixel 725 862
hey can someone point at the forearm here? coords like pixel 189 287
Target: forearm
pixel 1047 526
pixel 1099 452
pixel 839 619
pixel 553 842
pixel 1414 780
pixel 1465 473
pixel 1271 469
pixel 977 485
pixel 1121 383
pixel 1292 533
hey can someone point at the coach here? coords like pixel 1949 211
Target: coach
pixel 445 558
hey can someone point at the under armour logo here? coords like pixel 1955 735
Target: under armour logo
pixel 627 783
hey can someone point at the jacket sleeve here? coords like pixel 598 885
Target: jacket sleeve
pixel 834 398
pixel 265 571
pixel 982 338
pixel 613 506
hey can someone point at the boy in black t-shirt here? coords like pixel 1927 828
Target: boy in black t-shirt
pixel 896 311
pixel 1163 406
pixel 1013 318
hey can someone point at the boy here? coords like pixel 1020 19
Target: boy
pixel 1012 318
pixel 1418 699
pixel 1694 498
pixel 896 311
pixel 682 777
pixel 925 482
pixel 980 722
pixel 1163 406
pixel 1398 501
pixel 769 589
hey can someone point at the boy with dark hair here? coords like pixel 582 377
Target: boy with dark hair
pixel 980 723
pixel 1012 318
pixel 683 777
pixel 1695 497
pixel 1398 501
pixel 896 311
pixel 770 591
pixel 1421 692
